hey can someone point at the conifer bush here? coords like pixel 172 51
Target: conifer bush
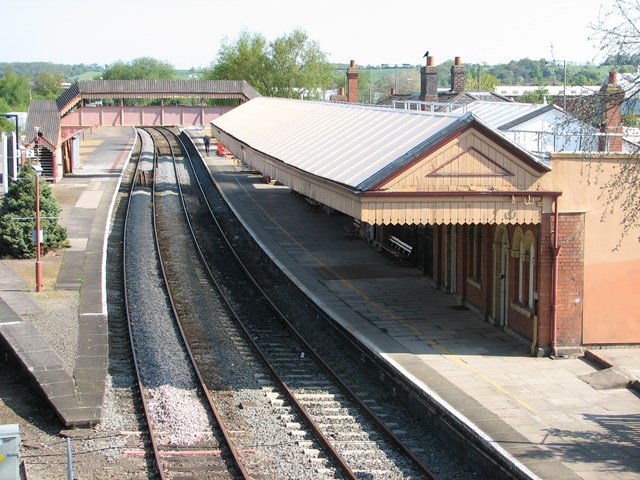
pixel 17 218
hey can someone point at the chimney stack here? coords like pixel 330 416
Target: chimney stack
pixel 352 82
pixel 429 82
pixel 457 76
pixel 611 98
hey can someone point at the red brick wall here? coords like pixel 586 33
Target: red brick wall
pixel 457 76
pixel 545 279
pixel 570 279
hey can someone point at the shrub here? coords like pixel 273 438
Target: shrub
pixel 17 218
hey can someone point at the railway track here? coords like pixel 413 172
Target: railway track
pixel 329 413
pixel 186 439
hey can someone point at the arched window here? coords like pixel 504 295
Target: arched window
pixel 529 245
pixel 517 253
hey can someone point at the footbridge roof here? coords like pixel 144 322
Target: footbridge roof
pixel 46 114
pixel 97 89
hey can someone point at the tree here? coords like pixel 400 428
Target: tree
pixel 618 32
pixel 143 68
pixel 539 95
pixel 48 85
pixel 17 217
pixel 15 90
pixel 486 83
pixel 291 66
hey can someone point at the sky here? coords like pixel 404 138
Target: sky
pixel 371 33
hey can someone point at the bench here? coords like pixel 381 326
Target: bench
pixel 354 229
pixel 401 250
pixel 400 246
pixel 312 204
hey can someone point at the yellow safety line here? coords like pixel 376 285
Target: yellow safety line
pixel 393 316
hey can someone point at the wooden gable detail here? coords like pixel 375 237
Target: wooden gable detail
pixel 468 162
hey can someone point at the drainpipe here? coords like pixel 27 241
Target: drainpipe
pixel 556 261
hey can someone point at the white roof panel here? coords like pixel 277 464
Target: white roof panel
pixel 498 114
pixel 344 143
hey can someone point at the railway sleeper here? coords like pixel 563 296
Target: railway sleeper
pixel 333 405
pixel 318 396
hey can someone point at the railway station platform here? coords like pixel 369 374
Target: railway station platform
pixel 60 335
pixel 563 418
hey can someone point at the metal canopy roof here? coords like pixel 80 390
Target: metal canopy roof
pixel 350 144
pixel 498 115
pixel 344 143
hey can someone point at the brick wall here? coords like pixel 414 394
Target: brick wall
pixel 570 281
pixel 457 76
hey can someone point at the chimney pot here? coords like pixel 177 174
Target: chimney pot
pixel 393 91
pixel 341 90
pixel 458 61
pixel 353 63
pixel 430 61
pixel 613 77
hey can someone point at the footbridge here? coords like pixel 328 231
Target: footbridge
pixel 54 127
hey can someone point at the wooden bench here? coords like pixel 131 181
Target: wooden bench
pixel 354 229
pixel 402 249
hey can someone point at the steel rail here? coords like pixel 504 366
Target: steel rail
pixel 308 348
pixel 281 384
pixel 143 398
pixel 238 463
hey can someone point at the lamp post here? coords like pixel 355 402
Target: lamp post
pixel 37 168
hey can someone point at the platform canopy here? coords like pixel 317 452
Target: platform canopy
pixel 387 166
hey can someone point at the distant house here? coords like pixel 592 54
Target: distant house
pixel 555 91
pixel 432 94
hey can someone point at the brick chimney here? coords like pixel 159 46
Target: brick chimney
pixel 611 97
pixel 429 81
pixel 457 76
pixel 352 82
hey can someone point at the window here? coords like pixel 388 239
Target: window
pixel 530 256
pixel 524 254
pixel 475 253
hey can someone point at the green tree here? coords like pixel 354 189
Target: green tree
pixel 539 95
pixel 15 90
pixel 17 217
pixel 485 83
pixel 48 85
pixel 143 68
pixel 618 32
pixel 291 66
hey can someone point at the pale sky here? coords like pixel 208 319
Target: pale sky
pixel 393 32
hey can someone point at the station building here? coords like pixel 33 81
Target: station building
pixel 500 203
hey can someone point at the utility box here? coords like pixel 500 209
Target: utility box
pixel 10 452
